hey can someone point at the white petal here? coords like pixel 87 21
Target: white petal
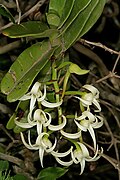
pixel 76 161
pixel 88 114
pixel 84 149
pixel 37 114
pixel 56 154
pixel 80 117
pixel 35 88
pixel 39 138
pixel 24 142
pixel 58 127
pixel 25 97
pixel 99 124
pixel 82 163
pixel 71 135
pixel 50 105
pixel 95 157
pixel 88 97
pixel 92 89
pixel 40 115
pixel 63 162
pixel 31 122
pixel 23 125
pixel 48 120
pixel 80 126
pixel 94 123
pixel 92 133
pixel 95 102
pixel 41 154
pixel 44 95
pixel 35 146
pixel 39 127
pixel 32 102
pixel 85 103
pixel 53 147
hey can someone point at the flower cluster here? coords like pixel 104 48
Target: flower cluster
pixel 43 121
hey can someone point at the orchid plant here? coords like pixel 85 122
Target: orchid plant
pixel 39 80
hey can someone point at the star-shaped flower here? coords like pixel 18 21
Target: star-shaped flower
pixel 43 144
pixel 90 97
pixel 81 154
pixel 36 95
pixel 87 121
pixel 39 119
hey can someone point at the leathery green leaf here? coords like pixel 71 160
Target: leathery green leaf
pixel 24 70
pixel 56 6
pixel 66 12
pixel 51 173
pixel 83 16
pixel 55 12
pixel 30 28
pixel 78 7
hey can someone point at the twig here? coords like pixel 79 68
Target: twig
pixel 12 159
pixel 19 11
pixel 113 142
pixel 111 74
pixel 105 73
pixel 113 70
pixel 6 132
pixel 10 47
pixel 83 41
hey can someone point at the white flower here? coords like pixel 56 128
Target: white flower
pixel 36 95
pixel 58 127
pixel 39 119
pixel 59 155
pixel 90 98
pixel 81 154
pixel 87 121
pixel 42 144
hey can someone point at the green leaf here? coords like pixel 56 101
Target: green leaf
pixel 24 70
pixel 55 12
pixel 51 173
pixel 45 73
pixel 19 177
pixel 4 165
pixel 30 28
pixel 74 68
pixel 83 16
pixel 56 6
pixel 5 12
pixel 78 7
pixel 66 11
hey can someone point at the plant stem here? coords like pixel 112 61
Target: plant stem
pixel 56 87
